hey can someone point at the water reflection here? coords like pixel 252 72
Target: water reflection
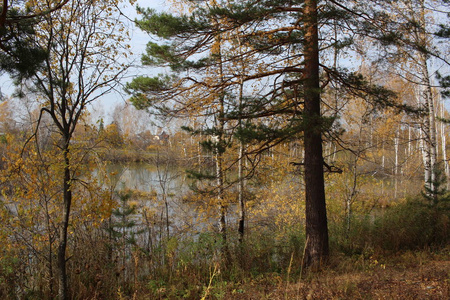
pixel 147 177
pixel 159 193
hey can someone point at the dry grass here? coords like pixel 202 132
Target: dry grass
pixel 412 275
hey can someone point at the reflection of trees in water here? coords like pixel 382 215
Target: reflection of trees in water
pixel 158 192
pixel 145 177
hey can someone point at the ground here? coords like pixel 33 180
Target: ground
pixel 402 277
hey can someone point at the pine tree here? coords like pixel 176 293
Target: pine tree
pixel 288 76
pixel 19 56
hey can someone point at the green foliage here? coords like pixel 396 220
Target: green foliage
pixel 202 248
pixel 241 12
pixel 147 84
pixel 159 54
pixel 166 25
pixel 251 132
pixel 123 225
pixel 356 84
pixel 278 114
pixel 144 90
pixel 19 55
pixel 436 191
pixel 444 31
pixel 9 273
pixel 445 84
pixel 262 252
pixel 3 139
pixel 22 58
pixel 412 225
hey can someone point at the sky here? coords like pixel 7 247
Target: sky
pixel 103 107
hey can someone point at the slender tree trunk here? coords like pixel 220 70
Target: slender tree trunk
pixel 409 141
pixel 51 278
pixel 163 179
pixel 219 158
pixel 199 152
pixel 432 121
pixel 426 97
pixel 396 149
pixel 241 198
pixel 425 156
pixel 352 195
pixel 444 143
pixel 220 198
pixel 316 251
pixel 62 272
pixel 334 153
pixel 429 130
pixel 241 228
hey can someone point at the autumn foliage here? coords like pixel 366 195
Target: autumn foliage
pixel 288 150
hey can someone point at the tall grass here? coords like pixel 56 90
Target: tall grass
pixel 411 225
pixel 191 267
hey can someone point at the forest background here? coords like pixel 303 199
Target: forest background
pixel 231 211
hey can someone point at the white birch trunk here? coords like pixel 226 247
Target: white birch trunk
pixel 241 177
pixel 444 141
pixel 426 97
pixel 219 139
pixel 396 146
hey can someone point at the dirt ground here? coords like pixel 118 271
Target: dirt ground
pixel 404 279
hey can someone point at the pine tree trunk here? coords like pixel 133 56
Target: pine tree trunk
pixel 316 251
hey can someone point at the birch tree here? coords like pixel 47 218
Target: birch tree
pixel 83 41
pixel 412 49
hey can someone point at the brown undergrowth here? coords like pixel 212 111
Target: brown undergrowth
pixel 411 275
pixel 407 275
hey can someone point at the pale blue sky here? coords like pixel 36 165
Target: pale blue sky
pixel 104 106
pixel 139 40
